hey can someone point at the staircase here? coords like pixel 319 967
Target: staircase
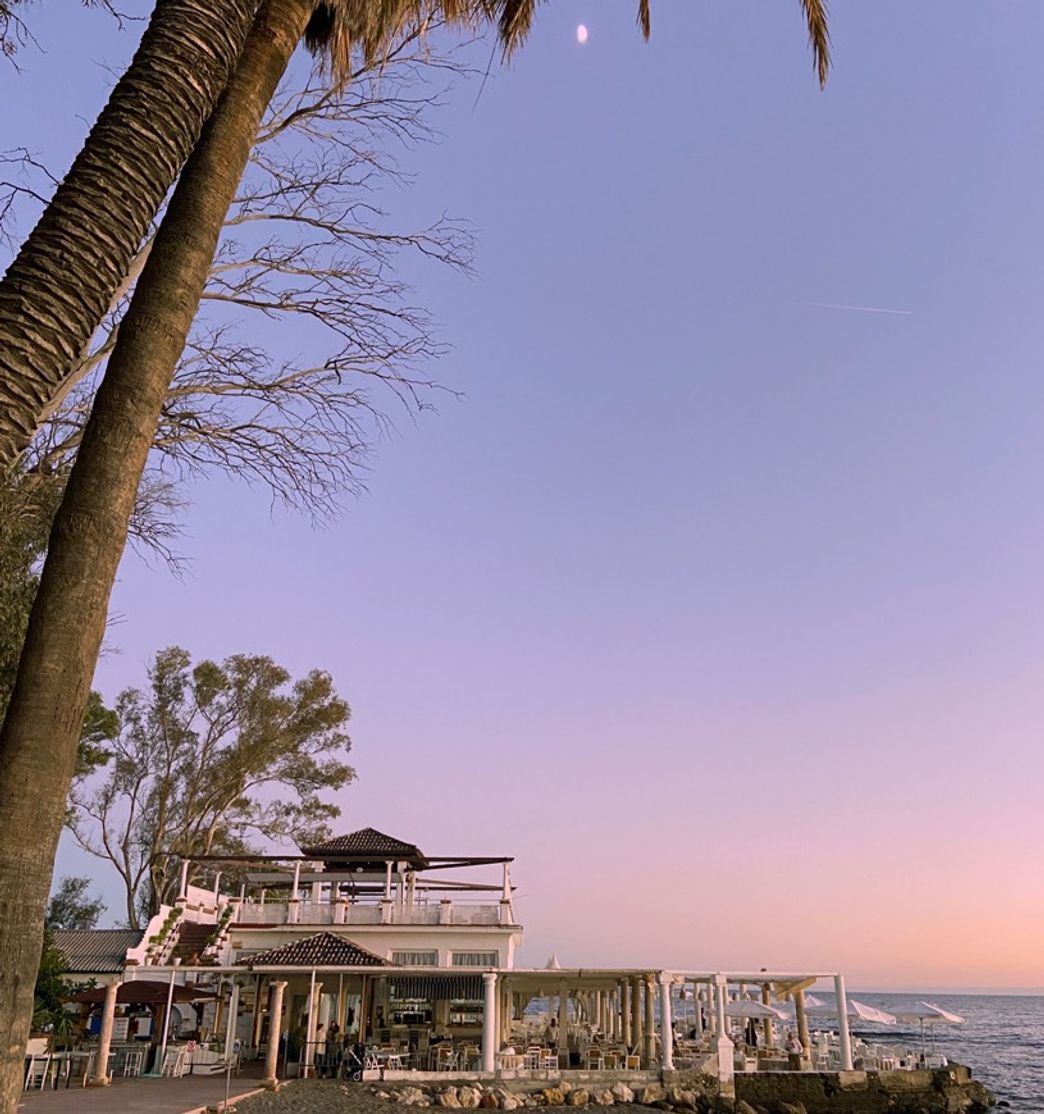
pixel 192 941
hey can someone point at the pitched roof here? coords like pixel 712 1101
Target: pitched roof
pixel 95 951
pixel 366 842
pixel 324 949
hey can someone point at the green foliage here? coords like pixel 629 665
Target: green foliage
pixel 71 906
pixel 50 988
pixel 212 758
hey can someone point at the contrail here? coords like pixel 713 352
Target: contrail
pixel 856 309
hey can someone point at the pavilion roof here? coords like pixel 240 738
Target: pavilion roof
pixel 366 844
pixel 324 949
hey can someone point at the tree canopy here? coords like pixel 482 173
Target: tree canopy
pixel 71 906
pixel 211 758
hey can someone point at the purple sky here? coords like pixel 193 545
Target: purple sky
pixel 721 610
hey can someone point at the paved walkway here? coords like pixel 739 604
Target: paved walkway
pixel 137 1096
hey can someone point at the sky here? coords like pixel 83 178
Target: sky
pixel 721 608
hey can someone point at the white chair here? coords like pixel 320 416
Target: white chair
pixel 173 1063
pixel 132 1062
pixel 549 1060
pixel 531 1061
pixel 37 1071
pixel 595 1061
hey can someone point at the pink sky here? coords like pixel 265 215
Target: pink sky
pixel 721 610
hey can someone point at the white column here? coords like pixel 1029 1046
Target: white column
pixel 666 1026
pixel 842 1023
pixel 233 1015
pixel 598 1010
pixel 166 1021
pixel 635 1035
pixel 183 884
pixel 293 908
pixel 217 885
pixel 489 1021
pixel 563 1022
pixel 725 1049
pixel 624 1030
pixel 275 1018
pixel 313 1020
pixel 101 1063
pixel 387 881
pixel 650 1020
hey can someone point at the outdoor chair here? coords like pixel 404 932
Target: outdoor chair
pixel 173 1063
pixel 549 1060
pixel 531 1060
pixel 633 1063
pixel 132 1062
pixel 37 1071
pixel 595 1061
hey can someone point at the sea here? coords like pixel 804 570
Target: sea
pixel 1002 1040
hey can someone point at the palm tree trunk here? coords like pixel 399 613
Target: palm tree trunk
pixel 61 283
pixel 42 725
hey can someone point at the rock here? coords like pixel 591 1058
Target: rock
pixel 489 1101
pixel 792 1108
pixel 410 1096
pixel 578 1097
pixel 650 1094
pixel 604 1098
pixel 623 1093
pixel 681 1099
pixel 509 1101
pixel 449 1098
pixel 469 1097
pixel 565 1086
pixel 744 1108
pixel 553 1096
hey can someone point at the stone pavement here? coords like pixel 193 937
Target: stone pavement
pixel 137 1096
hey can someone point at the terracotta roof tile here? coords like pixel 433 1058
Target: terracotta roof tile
pixel 366 841
pixel 324 949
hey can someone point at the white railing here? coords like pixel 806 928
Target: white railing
pixel 323 913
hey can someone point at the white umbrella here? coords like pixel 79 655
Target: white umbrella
pixel 857 1011
pixel 747 1007
pixel 930 1013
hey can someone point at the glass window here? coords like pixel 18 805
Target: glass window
pixel 476 959
pixel 415 959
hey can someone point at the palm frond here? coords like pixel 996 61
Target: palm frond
pixel 644 18
pixel 818 36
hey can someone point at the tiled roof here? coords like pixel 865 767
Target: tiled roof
pixel 324 949
pixel 95 951
pixel 366 841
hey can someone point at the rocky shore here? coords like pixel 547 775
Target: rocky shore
pixel 840 1093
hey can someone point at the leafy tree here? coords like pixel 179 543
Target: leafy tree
pixel 210 759
pixel 50 987
pixel 72 907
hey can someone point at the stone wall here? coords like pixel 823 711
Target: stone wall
pixel 946 1091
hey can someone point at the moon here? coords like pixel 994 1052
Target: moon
pixel 581 34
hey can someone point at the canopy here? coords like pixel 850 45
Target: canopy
pixel 747 1007
pixel 857 1011
pixel 145 992
pixel 928 1011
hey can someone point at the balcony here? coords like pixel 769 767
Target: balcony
pixel 387 912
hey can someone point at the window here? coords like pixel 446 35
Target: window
pixel 476 959
pixel 415 959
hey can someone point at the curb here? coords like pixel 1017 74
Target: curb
pixel 220 1104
